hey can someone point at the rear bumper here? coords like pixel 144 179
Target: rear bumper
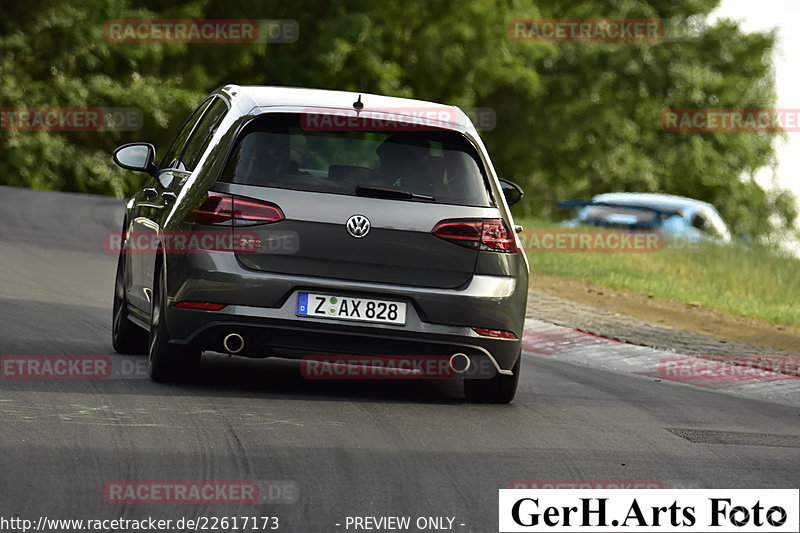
pixel 261 307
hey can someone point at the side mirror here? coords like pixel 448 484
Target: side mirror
pixel 136 156
pixel 511 191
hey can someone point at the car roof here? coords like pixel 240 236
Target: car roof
pixel 297 97
pixel 663 200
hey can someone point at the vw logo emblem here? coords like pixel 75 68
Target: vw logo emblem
pixel 358 226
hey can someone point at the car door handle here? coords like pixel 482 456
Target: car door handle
pixel 150 193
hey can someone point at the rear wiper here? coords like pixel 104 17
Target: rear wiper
pixel 386 192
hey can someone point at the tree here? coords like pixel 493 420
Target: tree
pixel 573 119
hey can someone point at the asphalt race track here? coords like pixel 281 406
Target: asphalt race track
pixel 322 450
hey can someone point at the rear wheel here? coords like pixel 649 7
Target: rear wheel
pixel 498 389
pixel 166 362
pixel 126 337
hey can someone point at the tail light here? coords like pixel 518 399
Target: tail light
pixel 490 234
pixel 495 333
pixel 226 209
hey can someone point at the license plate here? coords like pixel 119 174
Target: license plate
pixel 346 308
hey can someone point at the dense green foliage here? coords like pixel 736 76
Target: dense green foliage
pixel 573 119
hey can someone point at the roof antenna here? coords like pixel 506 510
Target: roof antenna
pixel 358 105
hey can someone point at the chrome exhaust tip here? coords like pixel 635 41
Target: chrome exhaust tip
pixel 233 343
pixel 459 363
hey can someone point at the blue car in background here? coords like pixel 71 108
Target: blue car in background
pixel 675 216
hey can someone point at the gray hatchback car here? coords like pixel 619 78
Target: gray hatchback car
pixel 293 222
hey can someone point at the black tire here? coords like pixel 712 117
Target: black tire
pixel 497 389
pixel 166 362
pixel 126 337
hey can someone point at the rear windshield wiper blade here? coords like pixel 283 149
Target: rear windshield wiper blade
pixel 374 191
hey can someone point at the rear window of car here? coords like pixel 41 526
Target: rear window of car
pixel 276 150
